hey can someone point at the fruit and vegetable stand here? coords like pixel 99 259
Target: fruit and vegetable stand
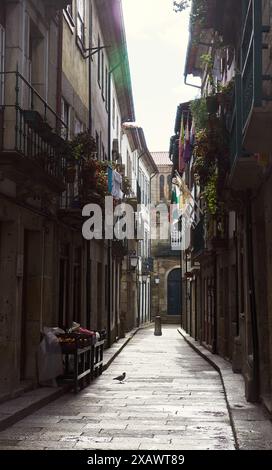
pixel 83 358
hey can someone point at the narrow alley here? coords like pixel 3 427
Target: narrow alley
pixel 171 399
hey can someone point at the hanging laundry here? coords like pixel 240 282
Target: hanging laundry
pixel 192 134
pixel 181 146
pixel 117 185
pixel 110 171
pixel 187 145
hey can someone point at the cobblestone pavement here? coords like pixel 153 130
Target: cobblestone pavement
pixel 172 400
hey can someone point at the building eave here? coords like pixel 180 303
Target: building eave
pixel 113 29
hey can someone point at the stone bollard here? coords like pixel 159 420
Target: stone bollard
pixel 158 330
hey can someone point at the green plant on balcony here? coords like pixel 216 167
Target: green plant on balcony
pixel 210 193
pixel 211 161
pixel 81 150
pixel 84 146
pixel 225 93
pixel 102 179
pixel 199 113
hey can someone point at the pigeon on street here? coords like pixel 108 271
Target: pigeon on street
pixel 121 378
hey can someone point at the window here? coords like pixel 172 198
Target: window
pixel 65 116
pixel 80 20
pixel 2 63
pixel 117 127
pixel 129 169
pixel 99 60
pixel 161 187
pixel 113 113
pixel 79 127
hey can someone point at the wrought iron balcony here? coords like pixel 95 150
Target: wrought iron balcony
pixel 198 238
pixel 30 140
pixel 251 59
pixel 235 121
pixel 251 120
pixel 255 74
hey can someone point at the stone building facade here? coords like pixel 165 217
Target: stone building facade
pixel 57 80
pixel 136 281
pixel 166 296
pixel 234 250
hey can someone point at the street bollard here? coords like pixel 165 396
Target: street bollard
pixel 158 330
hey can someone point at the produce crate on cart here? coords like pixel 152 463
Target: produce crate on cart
pixel 97 358
pixel 77 351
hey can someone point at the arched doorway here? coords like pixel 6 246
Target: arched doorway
pixel 174 293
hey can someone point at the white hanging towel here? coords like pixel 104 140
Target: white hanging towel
pixel 117 185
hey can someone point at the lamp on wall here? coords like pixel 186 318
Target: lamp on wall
pixel 157 280
pixel 133 259
pixel 144 277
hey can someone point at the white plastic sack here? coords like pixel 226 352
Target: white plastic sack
pixel 50 364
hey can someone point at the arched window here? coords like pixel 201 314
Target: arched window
pixel 162 195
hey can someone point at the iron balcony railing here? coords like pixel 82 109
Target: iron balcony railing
pixel 31 127
pixel 176 240
pixel 235 121
pixel 198 243
pixel 251 59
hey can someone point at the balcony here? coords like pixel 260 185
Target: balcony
pixel 31 148
pixel 251 121
pixel 197 239
pixel 255 87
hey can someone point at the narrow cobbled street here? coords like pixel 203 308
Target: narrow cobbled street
pixel 171 399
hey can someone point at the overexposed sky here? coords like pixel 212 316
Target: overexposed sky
pixel 157 43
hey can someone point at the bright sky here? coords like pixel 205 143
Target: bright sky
pixel 157 43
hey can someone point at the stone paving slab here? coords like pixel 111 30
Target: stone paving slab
pixel 153 409
pixel 252 424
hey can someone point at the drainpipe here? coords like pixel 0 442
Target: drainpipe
pixel 42 277
pixel 252 296
pixel 88 247
pixel 59 69
pixel 90 67
pixel 214 345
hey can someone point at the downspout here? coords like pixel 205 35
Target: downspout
pixel 88 247
pixel 252 295
pixel 214 346
pixel 58 112
pixel 59 69
pixel 42 278
pixel 109 281
pixel 90 66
